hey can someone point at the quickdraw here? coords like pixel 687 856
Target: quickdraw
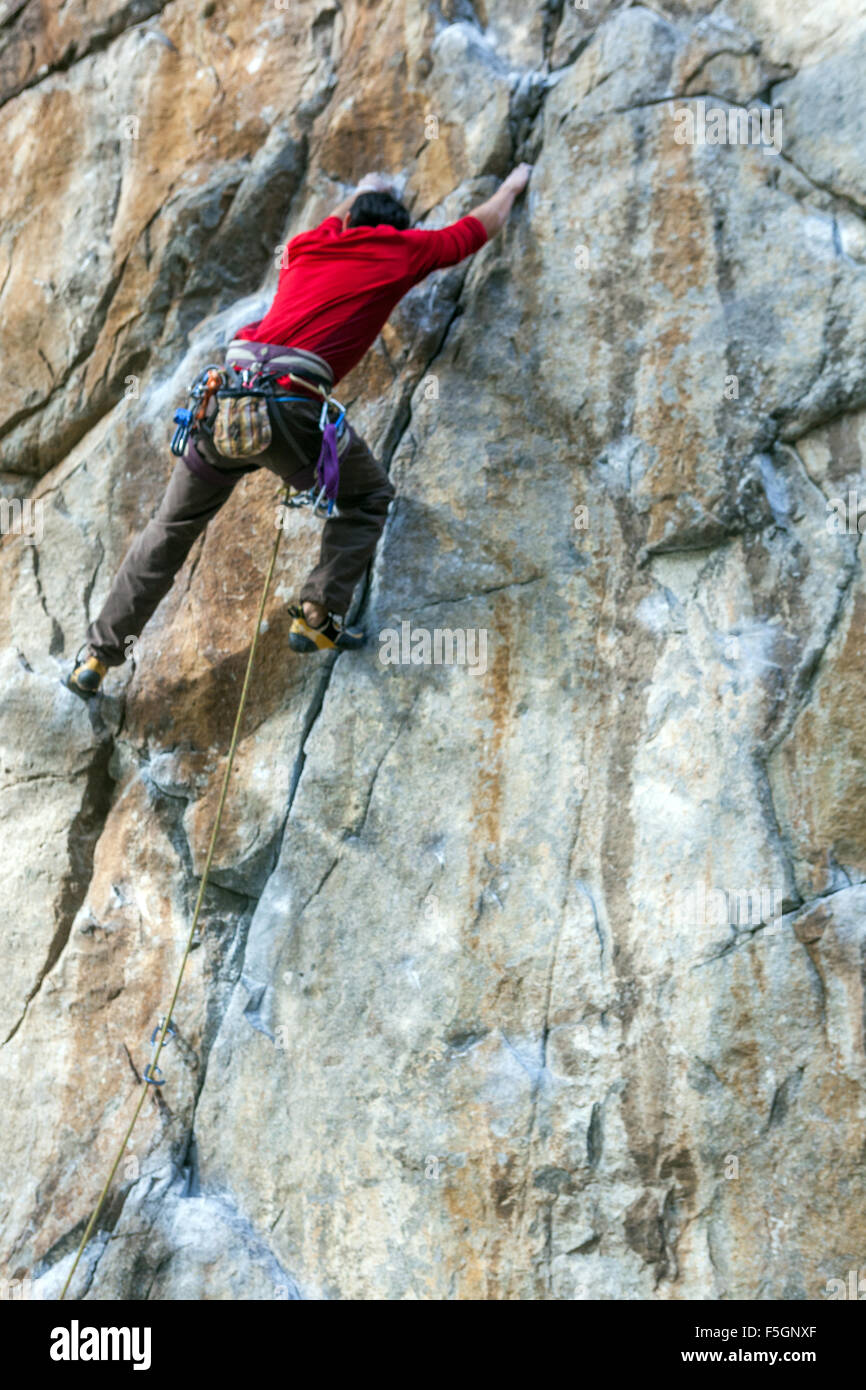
pixel 202 390
pixel 159 1039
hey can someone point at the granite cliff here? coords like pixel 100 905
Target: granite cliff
pixel 541 981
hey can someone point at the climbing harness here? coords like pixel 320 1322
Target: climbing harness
pixel 165 1030
pixel 237 418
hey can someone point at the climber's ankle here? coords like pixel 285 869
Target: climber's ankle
pixel 315 614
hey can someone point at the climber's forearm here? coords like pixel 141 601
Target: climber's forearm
pixel 345 206
pixel 494 214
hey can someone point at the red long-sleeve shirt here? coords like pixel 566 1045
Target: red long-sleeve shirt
pixel 338 287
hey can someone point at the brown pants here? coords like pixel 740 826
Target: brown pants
pixel 196 492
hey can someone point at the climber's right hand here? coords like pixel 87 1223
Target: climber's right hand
pixel 493 214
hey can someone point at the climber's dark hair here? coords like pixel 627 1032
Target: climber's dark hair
pixel 370 209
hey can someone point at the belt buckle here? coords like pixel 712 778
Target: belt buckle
pixel 298 499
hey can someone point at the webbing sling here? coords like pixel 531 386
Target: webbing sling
pixel 166 1026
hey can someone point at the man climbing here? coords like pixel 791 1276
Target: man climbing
pixel 336 289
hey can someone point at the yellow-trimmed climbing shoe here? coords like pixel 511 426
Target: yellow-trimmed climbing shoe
pixel 331 636
pixel 86 677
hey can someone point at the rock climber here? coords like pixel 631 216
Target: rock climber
pixel 338 284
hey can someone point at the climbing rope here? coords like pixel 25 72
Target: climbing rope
pixel 166 1026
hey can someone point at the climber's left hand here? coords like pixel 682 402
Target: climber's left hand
pixel 375 183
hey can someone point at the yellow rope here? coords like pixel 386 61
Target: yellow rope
pixel 195 916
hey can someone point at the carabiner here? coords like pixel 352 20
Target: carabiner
pixel 170 1032
pixel 318 509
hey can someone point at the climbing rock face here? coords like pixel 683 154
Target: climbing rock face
pixel 533 974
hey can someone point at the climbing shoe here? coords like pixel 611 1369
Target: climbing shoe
pixel 331 636
pixel 86 677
